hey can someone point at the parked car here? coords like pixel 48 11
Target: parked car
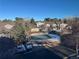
pixel 45 38
pixel 20 49
pixel 54 33
pixel 29 46
pixel 55 37
pixel 24 48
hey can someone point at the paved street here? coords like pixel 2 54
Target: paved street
pixel 38 53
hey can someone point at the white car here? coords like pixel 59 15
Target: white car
pixel 24 48
pixel 55 37
pixel 45 38
pixel 29 46
pixel 20 48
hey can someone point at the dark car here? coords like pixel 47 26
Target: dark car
pixel 53 32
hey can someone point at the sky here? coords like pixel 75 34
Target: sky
pixel 38 9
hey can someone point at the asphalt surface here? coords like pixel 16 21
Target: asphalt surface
pixel 38 53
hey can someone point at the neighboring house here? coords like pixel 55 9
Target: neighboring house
pixel 35 30
pixel 65 28
pixel 62 26
pixel 39 24
pixel 54 26
pixel 48 25
pixel 43 26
